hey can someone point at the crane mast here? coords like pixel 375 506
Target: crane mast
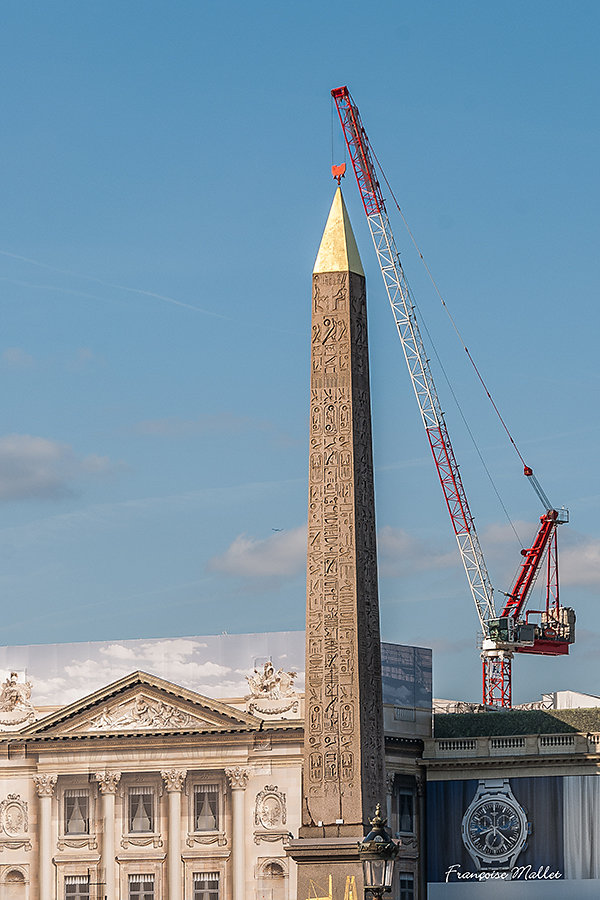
pixel 501 634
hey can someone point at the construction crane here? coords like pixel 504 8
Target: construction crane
pixel 549 631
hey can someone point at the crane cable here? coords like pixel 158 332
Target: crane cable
pixel 472 361
pixel 448 313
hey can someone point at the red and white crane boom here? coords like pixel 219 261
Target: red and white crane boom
pixel 416 359
pixel 501 635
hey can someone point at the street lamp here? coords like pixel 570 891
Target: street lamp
pixel 378 854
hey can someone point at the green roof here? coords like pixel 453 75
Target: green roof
pixel 516 721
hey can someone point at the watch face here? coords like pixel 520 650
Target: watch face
pixel 494 828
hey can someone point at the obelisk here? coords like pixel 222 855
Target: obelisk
pixel 343 742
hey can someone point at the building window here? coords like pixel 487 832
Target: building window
pixel 403 810
pixel 206 886
pixel 77 887
pixel 141 887
pixel 13 885
pixel 206 807
pixel 77 811
pixel 141 809
pixel 406 884
pixel 272 885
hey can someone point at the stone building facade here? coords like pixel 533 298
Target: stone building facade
pixel 146 790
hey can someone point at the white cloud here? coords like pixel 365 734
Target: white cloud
pixel 118 651
pixel 17 358
pixel 175 659
pixel 502 534
pixel 579 555
pixel 178 660
pixel 280 554
pixel 400 553
pixel 37 467
pixel 580 563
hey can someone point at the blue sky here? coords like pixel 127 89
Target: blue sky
pixel 165 176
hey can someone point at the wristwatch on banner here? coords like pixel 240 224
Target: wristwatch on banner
pixel 495 826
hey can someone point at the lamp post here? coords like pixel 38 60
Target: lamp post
pixel 378 854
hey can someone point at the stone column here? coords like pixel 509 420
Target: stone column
pixel 44 785
pixel 238 779
pixel 174 780
pixel 390 779
pixel 108 783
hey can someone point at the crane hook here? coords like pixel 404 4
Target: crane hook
pixel 338 172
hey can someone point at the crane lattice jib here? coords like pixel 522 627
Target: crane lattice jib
pixel 416 359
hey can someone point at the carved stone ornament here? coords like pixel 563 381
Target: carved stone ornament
pixel 45 784
pixel 153 840
pixel 16 708
pixel 238 777
pixel 14 823
pixel 108 781
pixel 90 843
pixel 141 713
pixel 270 683
pixel 219 839
pixel 270 808
pixel 271 837
pixel 270 707
pixel 174 779
pixel 13 815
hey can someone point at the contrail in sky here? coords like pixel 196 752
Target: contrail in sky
pixel 108 284
pixel 121 287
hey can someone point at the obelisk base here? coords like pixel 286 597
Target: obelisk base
pixel 328 868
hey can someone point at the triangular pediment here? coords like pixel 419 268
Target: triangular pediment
pixel 141 703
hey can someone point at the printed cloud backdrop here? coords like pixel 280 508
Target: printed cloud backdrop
pixel 214 665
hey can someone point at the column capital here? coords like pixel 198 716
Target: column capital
pixel 45 784
pixel 174 779
pixel 390 778
pixel 108 781
pixel 238 778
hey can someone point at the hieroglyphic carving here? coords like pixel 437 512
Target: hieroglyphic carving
pixel 343 760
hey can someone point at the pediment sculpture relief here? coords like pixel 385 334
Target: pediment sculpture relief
pixel 141 713
pixel 16 708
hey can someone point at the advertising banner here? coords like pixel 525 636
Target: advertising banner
pixel 514 838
